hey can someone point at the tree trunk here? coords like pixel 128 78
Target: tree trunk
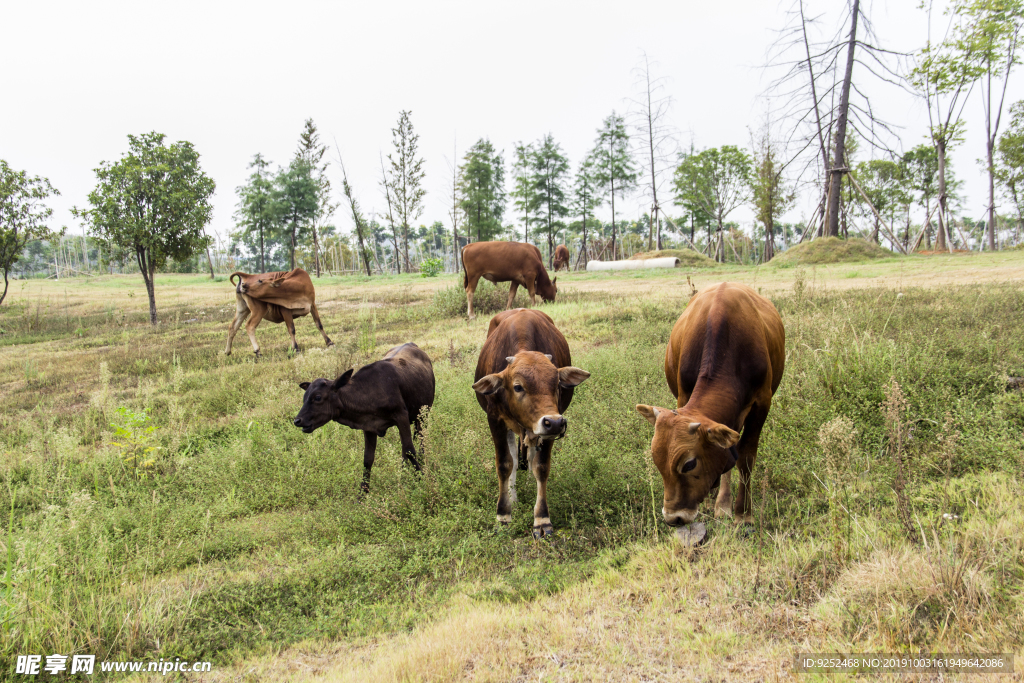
pixel 293 245
pixel 613 217
pixel 769 240
pixel 210 262
pixel 4 295
pixel 263 257
pixel 316 252
pixel 839 158
pixel 148 271
pixel 940 236
pixel 991 198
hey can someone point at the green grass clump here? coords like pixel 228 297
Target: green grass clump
pixel 450 302
pixel 687 257
pixel 830 250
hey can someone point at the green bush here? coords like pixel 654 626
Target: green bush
pixel 450 302
pixel 431 267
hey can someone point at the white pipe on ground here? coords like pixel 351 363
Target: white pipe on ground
pixel 637 264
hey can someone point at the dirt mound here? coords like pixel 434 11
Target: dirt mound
pixel 687 257
pixel 830 250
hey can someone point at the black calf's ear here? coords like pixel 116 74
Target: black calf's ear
pixel 304 385
pixel 343 380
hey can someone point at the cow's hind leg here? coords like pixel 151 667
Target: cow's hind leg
pixel 319 325
pixel 250 327
pixel 408 447
pixel 289 322
pixel 241 313
pixel 505 465
pixel 470 289
pixel 369 453
pixel 512 294
pixel 540 463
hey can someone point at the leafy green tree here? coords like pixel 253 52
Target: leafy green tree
pixel 772 196
pixel 256 214
pixel 716 181
pixel 312 151
pixel 23 215
pixel 406 178
pixel 1010 163
pixel 550 168
pixel 297 201
pixel 920 176
pixel 882 182
pixel 153 204
pixel 613 168
pixel 992 39
pixel 523 190
pixel 481 187
pixel 585 199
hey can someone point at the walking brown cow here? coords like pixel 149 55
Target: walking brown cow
pixel 516 262
pixel 524 382
pixel 276 297
pixel 723 364
pixel 561 258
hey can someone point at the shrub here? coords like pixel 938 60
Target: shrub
pixel 431 267
pixel 450 302
pixel 830 250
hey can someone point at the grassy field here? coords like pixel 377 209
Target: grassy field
pixel 157 501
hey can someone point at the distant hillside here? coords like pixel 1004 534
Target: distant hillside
pixel 830 250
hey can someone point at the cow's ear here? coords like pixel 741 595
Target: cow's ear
pixel 304 385
pixel 570 376
pixel 554 283
pixel 651 413
pixel 488 384
pixel 343 380
pixel 722 436
pixel 275 283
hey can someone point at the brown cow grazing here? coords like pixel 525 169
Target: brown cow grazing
pixel 561 258
pixel 277 297
pixel 390 392
pixel 723 363
pixel 524 382
pixel 516 262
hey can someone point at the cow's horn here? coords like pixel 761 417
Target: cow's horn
pixel 548 356
pixel 694 426
pixel 509 359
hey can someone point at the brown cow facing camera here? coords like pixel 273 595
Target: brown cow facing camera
pixel 723 364
pixel 387 393
pixel 524 382
pixel 516 262
pixel 561 259
pixel 275 297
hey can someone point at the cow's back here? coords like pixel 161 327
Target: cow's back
pixel 501 260
pixel 415 374
pixel 522 329
pixel 728 334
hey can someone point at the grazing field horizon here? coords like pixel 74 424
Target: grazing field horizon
pixel 158 502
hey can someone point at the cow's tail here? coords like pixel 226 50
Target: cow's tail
pixel 465 273
pixel 231 278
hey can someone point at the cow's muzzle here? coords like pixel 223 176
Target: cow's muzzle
pixel 678 517
pixel 551 427
pixel 305 429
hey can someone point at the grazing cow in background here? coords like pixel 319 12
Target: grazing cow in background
pixel 561 258
pixel 516 262
pixel 277 297
pixel 390 392
pixel 524 382
pixel 723 364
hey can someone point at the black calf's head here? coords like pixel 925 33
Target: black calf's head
pixel 320 402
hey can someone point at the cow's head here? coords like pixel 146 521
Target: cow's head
pixel 528 388
pixel 691 452
pixel 257 286
pixel 548 292
pixel 320 403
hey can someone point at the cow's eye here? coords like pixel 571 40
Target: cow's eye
pixel 518 388
pixel 317 397
pixel 260 281
pixel 688 465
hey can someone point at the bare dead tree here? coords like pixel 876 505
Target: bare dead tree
pixel 357 216
pixel 649 114
pixel 454 211
pixel 824 104
pixel 386 186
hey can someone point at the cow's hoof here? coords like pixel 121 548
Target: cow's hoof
pixel 256 354
pixel 227 353
pixel 504 520
pixel 330 344
pixel 722 512
pixel 745 518
pixel 472 317
pixel 543 530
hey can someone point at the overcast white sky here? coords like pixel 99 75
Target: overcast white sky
pixel 240 78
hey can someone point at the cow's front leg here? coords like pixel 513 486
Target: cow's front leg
pixel 369 453
pixel 723 503
pixel 319 325
pixel 241 313
pixel 289 322
pixel 505 466
pixel 250 328
pixel 540 463
pixel 513 288
pixel 408 446
pixel 513 451
pixel 745 462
